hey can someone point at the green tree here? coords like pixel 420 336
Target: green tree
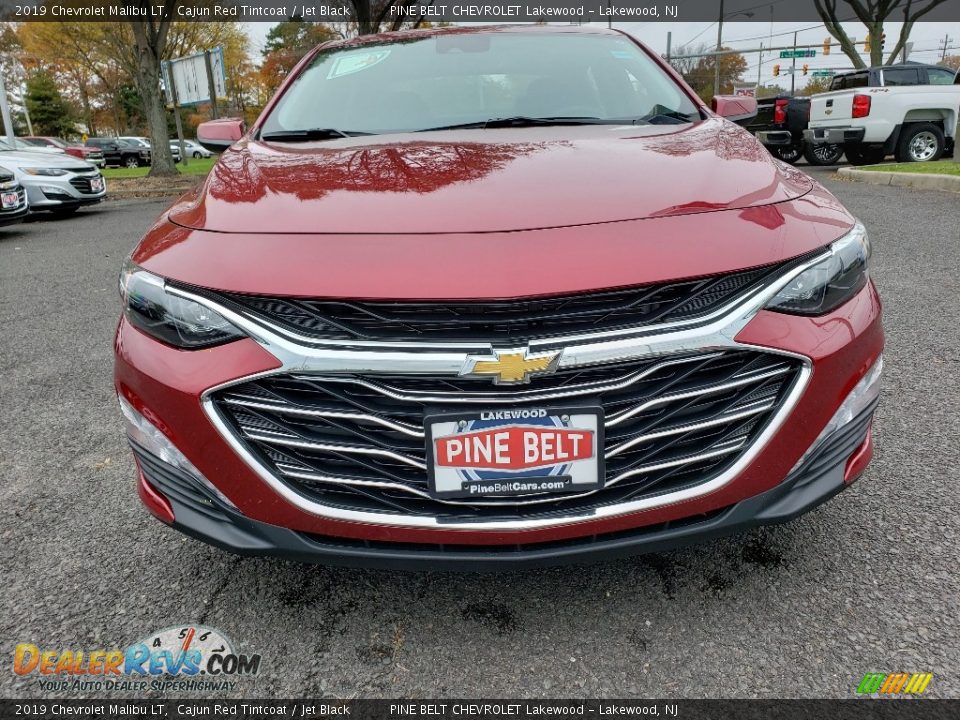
pixel 815 85
pixel 48 111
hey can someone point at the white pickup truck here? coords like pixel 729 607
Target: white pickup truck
pixel 917 123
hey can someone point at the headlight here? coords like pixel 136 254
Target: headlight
pixel 49 172
pixel 171 319
pixel 832 281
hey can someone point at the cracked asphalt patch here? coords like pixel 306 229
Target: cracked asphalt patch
pixel 867 582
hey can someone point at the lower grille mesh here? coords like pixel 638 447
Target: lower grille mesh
pixel 357 442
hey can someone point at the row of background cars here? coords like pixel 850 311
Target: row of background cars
pixel 825 127
pixel 50 173
pixel 45 179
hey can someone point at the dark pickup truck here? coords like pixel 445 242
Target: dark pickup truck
pixel 779 125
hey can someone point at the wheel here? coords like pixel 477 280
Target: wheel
pixel 864 155
pixel 131 161
pixel 823 154
pixel 922 142
pixel 787 153
pixel 197 155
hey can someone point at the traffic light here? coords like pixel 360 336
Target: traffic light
pixel 826 46
pixel 776 70
pixel 883 40
pixel 866 44
pixel 806 68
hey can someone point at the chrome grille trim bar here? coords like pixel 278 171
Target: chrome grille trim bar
pixel 709 390
pixel 294 441
pixel 289 409
pixel 741 414
pixel 508 396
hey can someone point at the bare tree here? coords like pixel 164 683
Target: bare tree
pixel 151 39
pixel 873 13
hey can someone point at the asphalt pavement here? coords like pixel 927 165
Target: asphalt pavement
pixel 866 583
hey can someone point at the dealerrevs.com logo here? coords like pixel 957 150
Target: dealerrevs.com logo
pixel 181 658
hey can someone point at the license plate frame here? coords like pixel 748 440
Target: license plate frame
pixel 583 474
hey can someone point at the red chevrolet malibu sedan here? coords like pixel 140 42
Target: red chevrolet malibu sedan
pixel 492 298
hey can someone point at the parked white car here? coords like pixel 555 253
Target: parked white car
pixel 917 123
pixel 61 183
pixel 192 149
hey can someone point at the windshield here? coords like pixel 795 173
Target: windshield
pixel 462 78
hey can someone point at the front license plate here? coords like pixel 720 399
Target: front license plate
pixel 9 199
pixel 507 452
pixel 96 184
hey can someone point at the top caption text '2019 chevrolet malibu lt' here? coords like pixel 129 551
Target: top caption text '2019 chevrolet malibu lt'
pixel 494 298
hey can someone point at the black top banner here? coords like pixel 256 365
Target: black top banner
pixel 457 12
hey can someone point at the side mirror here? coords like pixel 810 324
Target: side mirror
pixel 218 135
pixel 736 108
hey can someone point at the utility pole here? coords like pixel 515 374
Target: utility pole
pixel 759 67
pixel 213 88
pixel 5 110
pixel 176 113
pixel 716 58
pixel 946 44
pixel 793 74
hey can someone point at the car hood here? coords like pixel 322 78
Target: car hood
pixel 29 158
pixel 477 181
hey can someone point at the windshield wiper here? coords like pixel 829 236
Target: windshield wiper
pixel 664 117
pixel 311 134
pixel 520 121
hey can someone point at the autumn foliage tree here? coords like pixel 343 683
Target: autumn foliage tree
pixel 286 44
pixel 698 69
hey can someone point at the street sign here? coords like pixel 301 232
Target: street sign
pixel 798 53
pixel 824 73
pixel 190 76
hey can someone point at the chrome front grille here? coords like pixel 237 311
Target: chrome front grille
pixel 356 442
pixel 82 183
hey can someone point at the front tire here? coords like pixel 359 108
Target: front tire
pixel 823 154
pixel 922 142
pixel 196 155
pixel 861 155
pixel 131 162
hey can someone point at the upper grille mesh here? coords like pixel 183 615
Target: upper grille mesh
pixel 499 321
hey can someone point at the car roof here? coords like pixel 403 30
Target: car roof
pixel 907 64
pixel 407 35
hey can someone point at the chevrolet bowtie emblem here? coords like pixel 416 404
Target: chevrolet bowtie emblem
pixel 511 367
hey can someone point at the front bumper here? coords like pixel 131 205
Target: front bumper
pixel 51 193
pixel 10 216
pixel 201 515
pixel 834 136
pixel 775 137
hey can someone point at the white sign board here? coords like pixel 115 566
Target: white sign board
pixel 190 75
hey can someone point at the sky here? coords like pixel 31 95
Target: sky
pixel 927 38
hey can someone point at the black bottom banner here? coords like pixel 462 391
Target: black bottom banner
pixel 485 709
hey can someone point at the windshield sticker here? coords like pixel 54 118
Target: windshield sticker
pixel 355 62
